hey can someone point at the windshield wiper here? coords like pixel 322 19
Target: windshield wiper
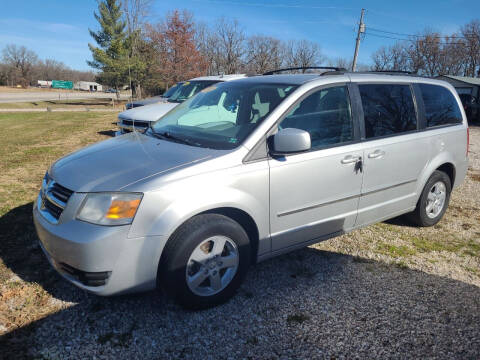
pixel 166 135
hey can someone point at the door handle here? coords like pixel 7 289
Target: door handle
pixel 376 154
pixel 349 159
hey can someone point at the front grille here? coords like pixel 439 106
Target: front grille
pixel 86 278
pixel 142 124
pixel 61 192
pixel 54 198
pixel 53 209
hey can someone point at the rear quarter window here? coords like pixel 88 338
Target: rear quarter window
pixel 388 109
pixel 441 107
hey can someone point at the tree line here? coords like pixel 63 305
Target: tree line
pixel 430 53
pixel 20 66
pixel 150 56
pixel 128 49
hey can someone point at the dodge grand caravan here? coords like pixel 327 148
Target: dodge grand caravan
pixel 247 170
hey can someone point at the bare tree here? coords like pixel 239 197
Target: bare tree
pixel 207 44
pixel 429 49
pixel 21 62
pixel 394 57
pixel 227 44
pixel 302 53
pixel 263 53
pixel 471 33
pixel 452 56
pixel 135 13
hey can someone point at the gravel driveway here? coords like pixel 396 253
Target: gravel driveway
pixel 327 301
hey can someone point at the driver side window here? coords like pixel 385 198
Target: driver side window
pixel 326 115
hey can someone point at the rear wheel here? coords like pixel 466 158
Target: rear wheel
pixel 205 261
pixel 433 201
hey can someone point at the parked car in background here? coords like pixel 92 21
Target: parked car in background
pixel 139 118
pixel 247 170
pixel 154 99
pixel 111 91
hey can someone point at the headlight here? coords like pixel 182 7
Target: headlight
pixel 109 208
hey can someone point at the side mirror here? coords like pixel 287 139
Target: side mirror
pixel 289 141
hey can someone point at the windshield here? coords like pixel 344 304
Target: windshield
pixel 170 91
pixel 223 115
pixel 188 89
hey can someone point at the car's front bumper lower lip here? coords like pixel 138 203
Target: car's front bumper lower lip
pixel 100 259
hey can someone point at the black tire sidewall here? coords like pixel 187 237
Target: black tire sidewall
pixel 422 218
pixel 192 234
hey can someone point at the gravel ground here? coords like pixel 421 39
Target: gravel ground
pixel 332 300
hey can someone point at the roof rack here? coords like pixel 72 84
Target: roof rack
pixel 305 68
pixel 392 72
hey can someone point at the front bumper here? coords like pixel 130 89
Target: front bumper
pixel 83 252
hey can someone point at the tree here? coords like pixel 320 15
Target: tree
pixel 176 54
pixel 394 57
pixel 302 53
pixel 471 33
pixel 135 13
pixel 263 53
pixel 20 62
pixel 111 56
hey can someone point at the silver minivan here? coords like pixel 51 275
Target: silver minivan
pixel 247 170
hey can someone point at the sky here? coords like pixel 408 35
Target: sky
pixel 58 29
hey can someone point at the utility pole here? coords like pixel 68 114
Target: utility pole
pixel 361 30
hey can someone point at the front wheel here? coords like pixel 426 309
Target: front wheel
pixel 433 201
pixel 205 261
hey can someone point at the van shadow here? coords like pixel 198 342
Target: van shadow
pixel 21 253
pixel 306 304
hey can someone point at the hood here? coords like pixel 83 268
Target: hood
pixel 149 101
pixel 151 112
pixel 113 164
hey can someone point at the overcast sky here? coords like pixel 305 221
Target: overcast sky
pixel 59 28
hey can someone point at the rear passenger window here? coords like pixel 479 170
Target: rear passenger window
pixel 441 107
pixel 326 115
pixel 388 109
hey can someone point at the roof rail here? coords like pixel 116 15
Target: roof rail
pixel 392 72
pixel 305 68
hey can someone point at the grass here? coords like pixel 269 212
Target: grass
pixel 30 143
pixel 395 251
pixel 93 103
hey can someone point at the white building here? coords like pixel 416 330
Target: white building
pixel 88 86
pixel 44 83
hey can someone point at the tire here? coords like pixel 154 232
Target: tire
pixel 426 213
pixel 194 252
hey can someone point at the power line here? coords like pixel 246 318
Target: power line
pixel 410 40
pixel 422 36
pixel 274 5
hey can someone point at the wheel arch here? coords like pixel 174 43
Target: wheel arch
pixel 245 220
pixel 449 169
pixel 443 162
pixel 242 217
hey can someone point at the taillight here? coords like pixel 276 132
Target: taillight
pixel 468 139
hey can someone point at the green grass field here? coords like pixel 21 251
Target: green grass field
pixel 30 142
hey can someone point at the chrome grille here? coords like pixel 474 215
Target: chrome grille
pixel 135 123
pixel 52 199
